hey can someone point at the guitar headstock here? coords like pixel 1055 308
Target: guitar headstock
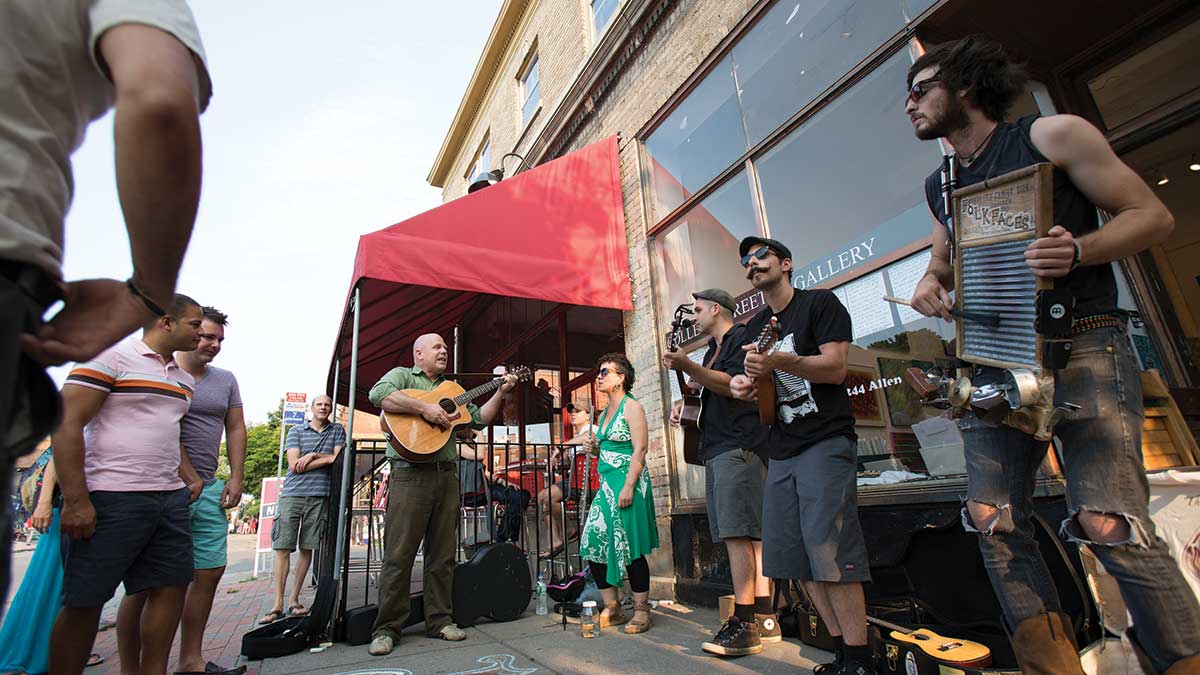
pixel 768 337
pixel 522 373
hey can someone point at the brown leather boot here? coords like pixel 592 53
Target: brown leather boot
pixel 1188 666
pixel 1045 645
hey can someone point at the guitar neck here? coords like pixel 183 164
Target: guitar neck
pixel 890 625
pixel 472 394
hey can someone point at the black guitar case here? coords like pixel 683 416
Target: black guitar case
pixel 493 583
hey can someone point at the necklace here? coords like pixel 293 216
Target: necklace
pixel 970 159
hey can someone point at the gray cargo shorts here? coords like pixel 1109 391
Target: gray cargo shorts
pixel 734 482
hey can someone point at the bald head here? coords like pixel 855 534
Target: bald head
pixel 430 354
pixel 322 406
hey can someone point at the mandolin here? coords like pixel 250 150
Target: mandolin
pixel 418 440
pixel 952 652
pixel 766 384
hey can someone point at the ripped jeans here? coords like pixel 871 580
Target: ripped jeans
pixel 1102 463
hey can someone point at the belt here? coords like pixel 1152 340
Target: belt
pixel 1086 323
pixel 32 280
pixel 428 466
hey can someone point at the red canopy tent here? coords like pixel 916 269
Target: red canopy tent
pixel 555 232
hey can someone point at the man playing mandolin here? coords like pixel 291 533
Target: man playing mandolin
pixel 423 501
pixel 732 443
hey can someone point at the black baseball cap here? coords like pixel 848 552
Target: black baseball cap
pixel 718 296
pixel 784 252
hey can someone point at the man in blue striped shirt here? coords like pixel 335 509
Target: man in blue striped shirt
pixel 303 509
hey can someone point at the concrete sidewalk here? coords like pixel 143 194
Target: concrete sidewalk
pixel 538 644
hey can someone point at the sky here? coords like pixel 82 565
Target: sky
pixel 324 122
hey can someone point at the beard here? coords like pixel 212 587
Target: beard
pixel 950 118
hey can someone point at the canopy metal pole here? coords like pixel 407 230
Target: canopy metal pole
pixel 348 451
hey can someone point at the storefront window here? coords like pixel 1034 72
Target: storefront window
pixel 699 140
pixel 800 48
pixel 888 340
pixel 846 188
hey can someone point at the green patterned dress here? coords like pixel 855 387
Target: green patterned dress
pixel 612 535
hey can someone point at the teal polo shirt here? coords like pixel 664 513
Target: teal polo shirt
pixel 412 377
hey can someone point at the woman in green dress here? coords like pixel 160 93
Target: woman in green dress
pixel 620 528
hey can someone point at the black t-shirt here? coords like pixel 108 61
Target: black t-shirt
pixel 1012 148
pixel 806 413
pixel 727 423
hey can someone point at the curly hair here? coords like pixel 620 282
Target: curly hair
pixel 623 366
pixel 981 68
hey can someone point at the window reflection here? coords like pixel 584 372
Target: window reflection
pixel 846 187
pixel 800 48
pixel 888 340
pixel 697 141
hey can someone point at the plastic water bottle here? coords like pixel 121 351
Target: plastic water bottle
pixel 589 624
pixel 542 608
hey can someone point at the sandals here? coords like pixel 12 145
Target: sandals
pixel 297 610
pixel 635 625
pixel 94 659
pixel 270 617
pixel 616 616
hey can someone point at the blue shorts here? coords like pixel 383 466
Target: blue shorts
pixel 210 529
pixel 143 539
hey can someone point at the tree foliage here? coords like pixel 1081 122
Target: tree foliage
pixel 262 451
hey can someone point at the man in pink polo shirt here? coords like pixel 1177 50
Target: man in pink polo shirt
pixel 126 484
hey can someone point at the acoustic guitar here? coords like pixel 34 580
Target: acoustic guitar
pixel 418 440
pixel 766 384
pixel 689 414
pixel 963 653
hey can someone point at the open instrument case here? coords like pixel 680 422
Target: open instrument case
pixel 927 572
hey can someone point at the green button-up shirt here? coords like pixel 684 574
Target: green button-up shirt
pixel 415 378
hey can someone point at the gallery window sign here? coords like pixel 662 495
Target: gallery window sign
pixel 910 225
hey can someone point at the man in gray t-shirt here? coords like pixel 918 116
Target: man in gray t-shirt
pixel 303 509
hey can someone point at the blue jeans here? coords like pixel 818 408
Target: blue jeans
pixel 1102 463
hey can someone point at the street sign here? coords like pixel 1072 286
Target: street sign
pixel 267 510
pixel 293 417
pixel 294 404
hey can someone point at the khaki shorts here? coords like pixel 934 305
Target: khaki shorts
pixel 299 520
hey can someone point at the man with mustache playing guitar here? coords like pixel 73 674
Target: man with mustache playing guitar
pixel 424 500
pixel 810 506
pixel 731 440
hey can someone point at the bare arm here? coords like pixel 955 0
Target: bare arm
pixel 323 459
pixel 931 296
pixel 235 450
pixel 707 377
pixel 1140 218
pixel 489 410
pixel 188 474
pixel 828 367
pixel 43 512
pixel 635 416
pixel 293 456
pixel 79 405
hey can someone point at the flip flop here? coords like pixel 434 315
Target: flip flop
pixel 213 669
pixel 270 617
pixel 292 610
pixel 94 659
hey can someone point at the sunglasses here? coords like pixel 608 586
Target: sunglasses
pixel 918 89
pixel 604 373
pixel 760 253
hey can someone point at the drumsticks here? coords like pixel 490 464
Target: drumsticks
pixel 992 320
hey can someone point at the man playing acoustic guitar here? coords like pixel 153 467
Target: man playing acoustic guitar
pixel 732 443
pixel 423 500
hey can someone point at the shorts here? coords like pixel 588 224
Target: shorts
pixel 143 539
pixel 734 482
pixel 810 516
pixel 210 534
pixel 299 520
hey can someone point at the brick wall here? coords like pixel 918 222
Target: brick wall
pixel 683 38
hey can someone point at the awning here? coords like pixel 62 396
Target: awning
pixel 555 232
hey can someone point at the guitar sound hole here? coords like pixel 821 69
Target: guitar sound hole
pixel 447 405
pixel 918 636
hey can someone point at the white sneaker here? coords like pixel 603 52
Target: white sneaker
pixel 381 645
pixel 452 633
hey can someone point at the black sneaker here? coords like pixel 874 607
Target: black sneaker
pixel 736 638
pixel 834 668
pixel 768 628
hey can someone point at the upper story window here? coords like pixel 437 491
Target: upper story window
pixel 602 13
pixel 483 159
pixel 531 93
